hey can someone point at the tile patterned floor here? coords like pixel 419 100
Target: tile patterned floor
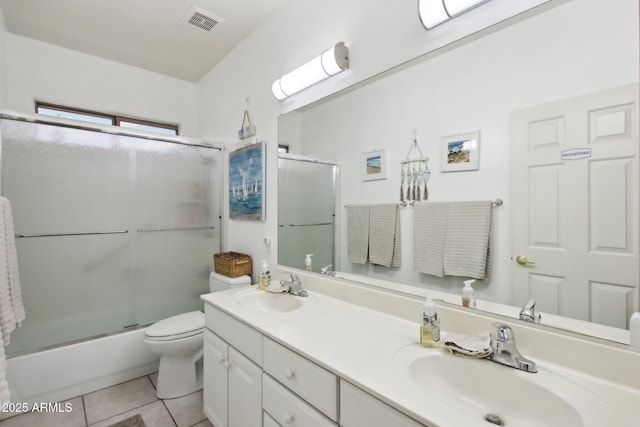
pixel 105 407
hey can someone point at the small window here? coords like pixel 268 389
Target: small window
pixel 75 115
pixel 105 119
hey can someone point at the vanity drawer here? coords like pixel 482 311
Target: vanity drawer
pixel 288 409
pixel 313 383
pixel 241 336
pixel 267 421
pixel 359 408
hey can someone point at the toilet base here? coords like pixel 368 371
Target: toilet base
pixel 178 377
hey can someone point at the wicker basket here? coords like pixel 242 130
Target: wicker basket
pixel 232 264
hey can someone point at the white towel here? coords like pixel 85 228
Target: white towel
pixel 467 241
pixel 358 233
pixel 384 235
pixel 476 346
pixel 11 309
pixel 429 234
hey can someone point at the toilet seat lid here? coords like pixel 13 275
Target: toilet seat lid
pixel 182 324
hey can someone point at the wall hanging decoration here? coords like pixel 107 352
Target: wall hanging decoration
pixel 460 152
pixel 247 130
pixel 373 165
pixel 414 176
pixel 247 177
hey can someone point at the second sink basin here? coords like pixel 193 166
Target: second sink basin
pixel 271 302
pixel 483 390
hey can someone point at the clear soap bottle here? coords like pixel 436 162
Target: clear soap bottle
pixel 264 279
pixel 429 325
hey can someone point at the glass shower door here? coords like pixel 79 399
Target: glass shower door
pixel 112 231
pixel 306 212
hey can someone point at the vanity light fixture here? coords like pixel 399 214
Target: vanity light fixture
pixel 435 12
pixel 329 63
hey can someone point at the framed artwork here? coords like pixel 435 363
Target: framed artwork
pixel 247 176
pixel 373 165
pixel 460 152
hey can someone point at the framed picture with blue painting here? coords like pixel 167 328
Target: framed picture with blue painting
pixel 460 152
pixel 247 177
pixel 373 165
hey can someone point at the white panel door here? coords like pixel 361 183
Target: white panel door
pixel 575 206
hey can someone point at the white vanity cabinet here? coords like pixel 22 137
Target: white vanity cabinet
pixel 232 382
pixel 304 394
pixel 358 409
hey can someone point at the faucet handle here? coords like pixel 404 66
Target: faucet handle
pixel 501 332
pixel 528 312
pixel 292 276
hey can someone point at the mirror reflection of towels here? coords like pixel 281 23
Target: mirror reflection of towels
pixel 452 239
pixel 384 235
pixel 358 233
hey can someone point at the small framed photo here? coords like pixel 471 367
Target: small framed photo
pixel 460 152
pixel 374 165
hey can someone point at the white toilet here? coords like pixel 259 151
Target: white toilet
pixel 179 342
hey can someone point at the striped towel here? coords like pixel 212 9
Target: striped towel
pixel 430 229
pixel 384 235
pixel 11 309
pixel 358 233
pixel 467 241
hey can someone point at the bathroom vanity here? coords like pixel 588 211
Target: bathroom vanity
pixel 348 355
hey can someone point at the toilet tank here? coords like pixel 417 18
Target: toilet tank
pixel 219 282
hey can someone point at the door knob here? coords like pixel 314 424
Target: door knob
pixel 522 260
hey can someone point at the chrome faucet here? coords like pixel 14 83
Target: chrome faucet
pixel 328 270
pixel 295 285
pixel 504 351
pixel 528 312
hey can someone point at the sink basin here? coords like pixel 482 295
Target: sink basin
pixel 480 389
pixel 271 302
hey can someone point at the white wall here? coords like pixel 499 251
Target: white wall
pixel 579 47
pixel 44 72
pixel 380 34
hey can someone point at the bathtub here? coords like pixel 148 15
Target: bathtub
pixel 76 369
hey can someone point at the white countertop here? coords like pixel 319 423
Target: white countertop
pixel 369 347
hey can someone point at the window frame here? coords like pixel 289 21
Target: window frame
pixel 114 118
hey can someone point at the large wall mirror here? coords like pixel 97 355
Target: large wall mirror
pixel 513 86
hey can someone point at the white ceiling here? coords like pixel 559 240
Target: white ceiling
pixel 149 34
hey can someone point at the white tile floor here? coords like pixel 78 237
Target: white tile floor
pixel 119 402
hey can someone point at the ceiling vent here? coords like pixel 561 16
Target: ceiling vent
pixel 202 19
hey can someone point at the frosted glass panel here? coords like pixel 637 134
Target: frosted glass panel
pixel 163 201
pixel 306 212
pixel 72 287
pixel 176 185
pixel 174 272
pixel 63 180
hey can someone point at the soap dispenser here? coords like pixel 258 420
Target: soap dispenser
pixel 468 296
pixel 429 325
pixel 307 262
pixel 264 279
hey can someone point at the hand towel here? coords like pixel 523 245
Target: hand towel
pixel 358 233
pixel 476 345
pixel 467 239
pixel 429 235
pixel 384 235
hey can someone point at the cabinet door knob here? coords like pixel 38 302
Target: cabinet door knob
pixel 221 360
pixel 289 374
pixel 288 418
pixel 227 364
